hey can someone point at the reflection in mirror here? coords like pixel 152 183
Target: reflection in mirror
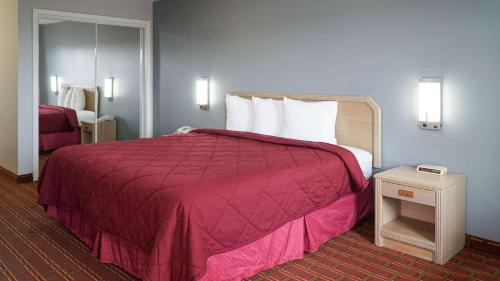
pixel 119 81
pixel 66 82
pixel 90 82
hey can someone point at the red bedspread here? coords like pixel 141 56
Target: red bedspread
pixel 54 119
pixel 184 198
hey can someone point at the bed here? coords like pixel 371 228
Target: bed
pixel 60 126
pixel 214 204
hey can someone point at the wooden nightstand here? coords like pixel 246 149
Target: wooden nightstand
pixel 106 131
pixel 420 214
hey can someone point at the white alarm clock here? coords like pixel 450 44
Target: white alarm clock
pixel 432 169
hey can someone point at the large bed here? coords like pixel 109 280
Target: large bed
pixel 59 126
pixel 214 204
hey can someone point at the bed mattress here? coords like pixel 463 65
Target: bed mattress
pixel 365 159
pixel 58 127
pixel 185 198
pixel 56 119
pixel 286 243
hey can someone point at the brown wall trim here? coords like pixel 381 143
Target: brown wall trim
pixel 7 173
pixel 482 244
pixel 15 178
pixel 24 178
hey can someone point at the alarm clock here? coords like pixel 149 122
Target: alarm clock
pixel 432 169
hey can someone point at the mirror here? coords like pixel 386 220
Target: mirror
pixel 118 78
pixel 89 84
pixel 66 83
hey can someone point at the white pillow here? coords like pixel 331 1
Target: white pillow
pixel 69 98
pixel 267 116
pixel 239 114
pixel 78 100
pixel 75 99
pixel 310 121
pixel 62 96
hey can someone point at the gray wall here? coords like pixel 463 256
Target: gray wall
pixel 357 47
pixel 118 56
pixel 66 50
pixel 134 9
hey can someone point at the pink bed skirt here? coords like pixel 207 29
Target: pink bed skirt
pixel 56 140
pixel 287 243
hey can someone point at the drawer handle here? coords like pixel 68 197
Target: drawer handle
pixel 405 193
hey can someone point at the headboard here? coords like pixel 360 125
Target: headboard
pixel 91 96
pixel 90 99
pixel 358 120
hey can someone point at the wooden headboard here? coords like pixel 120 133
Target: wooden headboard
pixel 358 120
pixel 91 96
pixel 90 99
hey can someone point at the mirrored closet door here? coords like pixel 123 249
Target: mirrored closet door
pixel 67 88
pixel 89 84
pixel 118 80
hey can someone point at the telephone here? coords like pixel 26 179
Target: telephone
pixel 105 118
pixel 184 130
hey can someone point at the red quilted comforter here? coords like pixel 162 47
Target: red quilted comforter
pixel 184 198
pixel 55 119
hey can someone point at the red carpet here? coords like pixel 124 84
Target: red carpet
pixel 34 246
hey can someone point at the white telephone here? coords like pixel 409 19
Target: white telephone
pixel 105 118
pixel 184 130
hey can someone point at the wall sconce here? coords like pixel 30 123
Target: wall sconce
pixel 429 97
pixel 54 84
pixel 202 93
pixel 109 88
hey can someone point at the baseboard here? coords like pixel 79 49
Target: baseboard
pixel 24 178
pixel 482 244
pixel 15 178
pixel 8 174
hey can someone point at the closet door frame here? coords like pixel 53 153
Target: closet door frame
pixel 146 94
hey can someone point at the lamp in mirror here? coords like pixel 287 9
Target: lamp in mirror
pixel 109 88
pixel 54 84
pixel 429 96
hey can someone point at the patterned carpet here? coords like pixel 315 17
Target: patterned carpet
pixel 34 246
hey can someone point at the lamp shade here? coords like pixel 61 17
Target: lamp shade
pixel 202 93
pixel 54 84
pixel 429 96
pixel 108 88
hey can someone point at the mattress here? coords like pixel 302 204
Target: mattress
pixel 291 241
pixel 365 160
pixel 85 115
pixel 287 243
pixel 56 119
pixel 58 127
pixel 52 141
pixel 191 196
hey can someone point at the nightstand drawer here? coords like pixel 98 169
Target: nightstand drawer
pixel 87 127
pixel 408 193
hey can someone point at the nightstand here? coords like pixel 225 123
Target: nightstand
pixel 420 214
pixel 106 131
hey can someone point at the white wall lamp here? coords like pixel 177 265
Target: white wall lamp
pixel 202 93
pixel 429 97
pixel 54 84
pixel 109 88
